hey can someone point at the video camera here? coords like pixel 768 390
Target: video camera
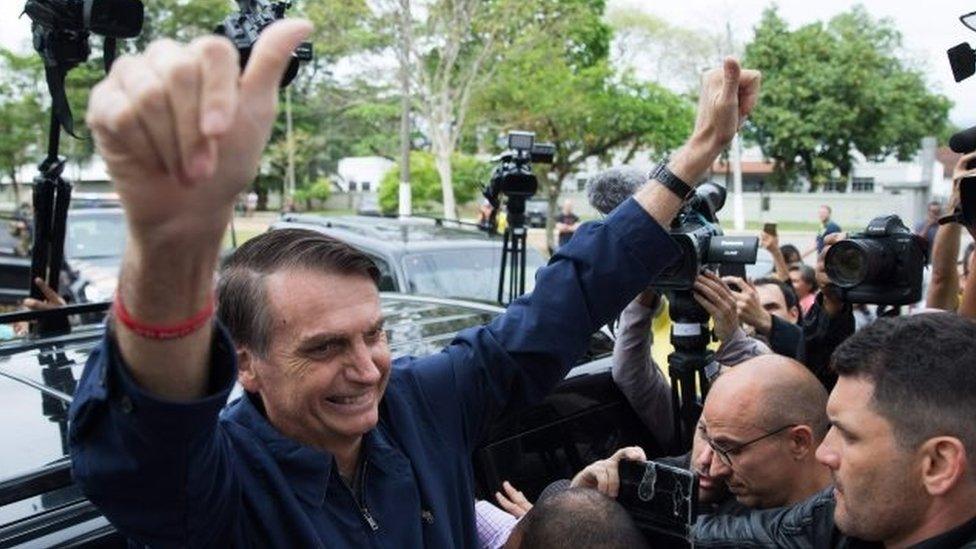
pixel 696 231
pixel 61 29
pixel 513 175
pixel 244 27
pixel 883 265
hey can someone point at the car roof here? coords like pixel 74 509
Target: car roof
pixel 390 235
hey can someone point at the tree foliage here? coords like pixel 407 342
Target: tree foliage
pixel 832 89
pixel 584 106
pixel 470 174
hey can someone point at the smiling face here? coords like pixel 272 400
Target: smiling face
pixel 328 362
pixel 876 481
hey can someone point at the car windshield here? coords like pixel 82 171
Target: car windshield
pixel 95 236
pixel 463 274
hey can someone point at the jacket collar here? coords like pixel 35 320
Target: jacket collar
pixel 308 470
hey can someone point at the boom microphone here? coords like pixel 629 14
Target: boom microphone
pixel 610 188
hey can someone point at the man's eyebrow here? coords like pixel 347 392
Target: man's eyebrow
pixel 321 340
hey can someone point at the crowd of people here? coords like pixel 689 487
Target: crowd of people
pixel 818 430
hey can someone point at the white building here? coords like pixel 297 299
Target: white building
pixel 363 173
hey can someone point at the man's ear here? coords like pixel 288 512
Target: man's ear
pixel 802 442
pixel 944 464
pixel 246 373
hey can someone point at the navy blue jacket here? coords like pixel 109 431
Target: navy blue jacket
pixel 189 474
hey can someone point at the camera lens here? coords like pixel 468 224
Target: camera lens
pixel 853 262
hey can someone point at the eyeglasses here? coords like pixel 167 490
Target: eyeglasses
pixel 725 454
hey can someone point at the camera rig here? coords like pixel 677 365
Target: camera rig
pixel 513 177
pixel 61 29
pixel 243 28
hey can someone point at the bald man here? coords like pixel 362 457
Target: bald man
pixel 762 423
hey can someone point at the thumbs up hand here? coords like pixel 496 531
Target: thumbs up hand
pixel 728 95
pixel 182 130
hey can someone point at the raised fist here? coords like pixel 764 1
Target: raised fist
pixel 182 130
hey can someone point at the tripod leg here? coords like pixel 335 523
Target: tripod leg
pixel 501 273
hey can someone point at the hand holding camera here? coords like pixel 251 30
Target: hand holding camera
pixel 603 475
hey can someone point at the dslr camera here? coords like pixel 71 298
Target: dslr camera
pixel 703 245
pixel 882 265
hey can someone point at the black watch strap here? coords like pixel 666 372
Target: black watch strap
pixel 666 177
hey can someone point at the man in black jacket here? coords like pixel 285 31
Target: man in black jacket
pixel 900 447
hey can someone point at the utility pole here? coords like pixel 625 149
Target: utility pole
pixel 290 137
pixel 735 162
pixel 406 38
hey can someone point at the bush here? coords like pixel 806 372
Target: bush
pixel 318 192
pixel 469 175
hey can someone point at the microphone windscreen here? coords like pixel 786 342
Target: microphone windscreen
pixel 116 18
pixel 610 188
pixel 964 141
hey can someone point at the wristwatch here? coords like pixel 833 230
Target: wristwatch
pixel 666 177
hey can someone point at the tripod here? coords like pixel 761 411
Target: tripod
pixel 689 336
pixel 51 197
pixel 513 252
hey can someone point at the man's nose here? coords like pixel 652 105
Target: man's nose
pixel 361 367
pixel 717 468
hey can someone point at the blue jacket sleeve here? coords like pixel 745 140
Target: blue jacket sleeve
pixel 159 471
pixel 518 358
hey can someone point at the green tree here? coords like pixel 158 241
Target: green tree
pixel 832 89
pixel 470 174
pixel 587 109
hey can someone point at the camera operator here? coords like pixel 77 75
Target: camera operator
pixel 943 291
pixel 641 380
pixel 333 443
pixel 900 447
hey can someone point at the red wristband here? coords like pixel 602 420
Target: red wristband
pixel 148 331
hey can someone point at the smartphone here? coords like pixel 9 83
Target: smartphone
pixel 770 229
pixel 662 499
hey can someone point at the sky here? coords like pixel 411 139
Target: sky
pixel 929 27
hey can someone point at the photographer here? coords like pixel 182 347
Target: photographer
pixel 771 308
pixel 943 291
pixel 333 443
pixel 641 380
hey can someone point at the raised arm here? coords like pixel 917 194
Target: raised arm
pixel 182 132
pixel 519 357
pixel 636 374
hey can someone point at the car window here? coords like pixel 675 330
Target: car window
pixel 95 236
pixel 387 282
pixel 463 274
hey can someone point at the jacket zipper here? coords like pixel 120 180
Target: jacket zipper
pixel 362 505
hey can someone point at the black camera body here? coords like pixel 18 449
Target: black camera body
pixel 703 244
pixel 513 175
pixel 883 265
pixel 243 28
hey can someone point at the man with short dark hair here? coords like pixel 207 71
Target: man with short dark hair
pixel 577 517
pixel 903 441
pixel 334 443
pixel 771 307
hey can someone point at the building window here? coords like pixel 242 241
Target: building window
pixel 352 186
pixel 862 184
pixel 365 185
pixel 835 186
